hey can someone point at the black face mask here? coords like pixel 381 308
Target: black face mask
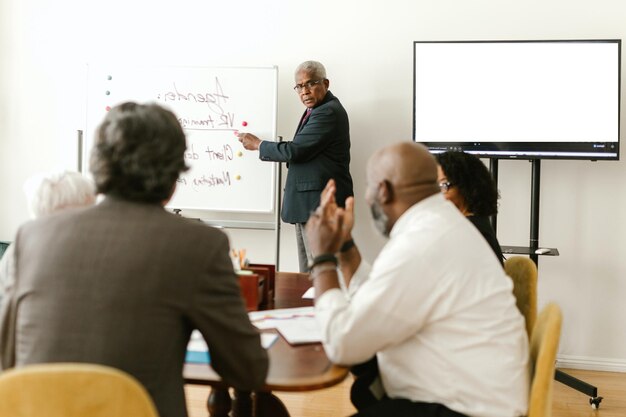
pixel 380 218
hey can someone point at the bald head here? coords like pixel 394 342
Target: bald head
pixel 409 167
pixel 399 176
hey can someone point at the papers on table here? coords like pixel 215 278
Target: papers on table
pixel 198 351
pixel 310 293
pixel 296 325
pixel 268 339
pixel 197 343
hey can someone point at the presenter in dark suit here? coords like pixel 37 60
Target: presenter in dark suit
pixel 319 151
pixel 125 282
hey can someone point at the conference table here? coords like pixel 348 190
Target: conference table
pixel 292 367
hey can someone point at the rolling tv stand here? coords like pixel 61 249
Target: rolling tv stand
pixel 560 376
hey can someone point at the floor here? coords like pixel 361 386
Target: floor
pixel 334 401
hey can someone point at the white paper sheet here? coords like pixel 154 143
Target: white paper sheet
pixel 296 325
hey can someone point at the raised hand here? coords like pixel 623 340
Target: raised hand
pixel 325 228
pixel 348 219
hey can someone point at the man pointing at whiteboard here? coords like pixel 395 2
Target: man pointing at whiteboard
pixel 319 151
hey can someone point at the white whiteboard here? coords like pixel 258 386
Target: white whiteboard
pixel 211 105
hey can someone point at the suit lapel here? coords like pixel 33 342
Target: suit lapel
pixel 305 118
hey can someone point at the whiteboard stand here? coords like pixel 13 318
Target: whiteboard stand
pixel 79 165
pixel 277 204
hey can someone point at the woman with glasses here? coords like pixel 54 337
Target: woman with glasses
pixel 466 182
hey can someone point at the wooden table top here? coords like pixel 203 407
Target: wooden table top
pixel 292 368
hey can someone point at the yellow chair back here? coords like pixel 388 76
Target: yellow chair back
pixel 544 344
pixel 523 272
pixel 72 390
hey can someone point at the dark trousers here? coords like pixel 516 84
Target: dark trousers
pixel 399 407
pixel 364 376
pixel 369 406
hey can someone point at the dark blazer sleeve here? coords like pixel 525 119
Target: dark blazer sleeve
pixel 309 142
pixel 219 313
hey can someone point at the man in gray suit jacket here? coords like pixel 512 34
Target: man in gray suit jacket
pixel 125 282
pixel 319 151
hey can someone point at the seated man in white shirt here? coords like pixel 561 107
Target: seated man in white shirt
pixel 435 308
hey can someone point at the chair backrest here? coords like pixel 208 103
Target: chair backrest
pixel 72 390
pixel 544 344
pixel 523 272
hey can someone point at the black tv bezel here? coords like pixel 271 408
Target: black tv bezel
pixel 529 150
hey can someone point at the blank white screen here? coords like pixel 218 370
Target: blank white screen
pixel 517 92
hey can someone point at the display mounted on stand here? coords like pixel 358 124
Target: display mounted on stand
pixel 521 99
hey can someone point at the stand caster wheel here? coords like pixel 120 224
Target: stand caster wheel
pixel 595 402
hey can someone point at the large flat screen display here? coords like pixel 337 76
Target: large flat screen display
pixel 519 99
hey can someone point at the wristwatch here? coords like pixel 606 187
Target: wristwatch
pixel 323 258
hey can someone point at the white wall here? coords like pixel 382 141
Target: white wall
pixel 367 48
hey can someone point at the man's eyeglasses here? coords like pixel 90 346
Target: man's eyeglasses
pixel 444 186
pixel 308 85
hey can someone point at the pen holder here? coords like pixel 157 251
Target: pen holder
pixel 268 272
pixel 252 289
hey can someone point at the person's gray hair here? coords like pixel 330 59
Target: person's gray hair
pixel 52 192
pixel 138 153
pixel 313 68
